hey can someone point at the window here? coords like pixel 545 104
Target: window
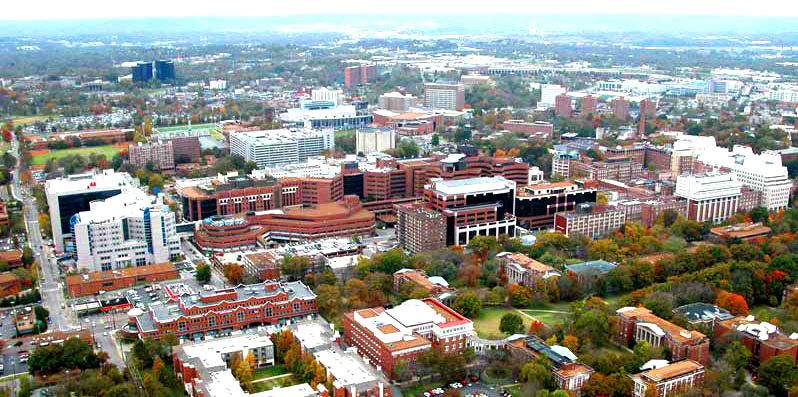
pixel 181 326
pixel 267 312
pixel 212 322
pixel 240 316
pixel 106 267
pixel 296 306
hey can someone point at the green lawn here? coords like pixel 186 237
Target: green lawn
pixel 108 150
pixel 546 317
pixel 272 384
pixel 487 322
pixel 267 372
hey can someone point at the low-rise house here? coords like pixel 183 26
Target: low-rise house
pixel 523 270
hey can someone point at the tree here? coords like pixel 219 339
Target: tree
pixel 243 372
pixel 468 304
pixel 511 323
pixel 734 303
pixel 571 342
pixel 778 374
pixel 234 273
pixel 294 267
pixel 538 372
pixel 737 355
pixel 520 296
pixel 605 249
pixel 203 274
pixel 436 140
pixel 329 299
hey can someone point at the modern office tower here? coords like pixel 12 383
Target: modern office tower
pixel 72 194
pixel 159 154
pixel 562 105
pixel 536 205
pixel 142 72
pixel 444 95
pixel 588 104
pixel 483 206
pixel 548 93
pixel 620 108
pixel 711 197
pixel 420 229
pixel 396 102
pixel 164 70
pixel 325 94
pixel 370 140
pixel 283 146
pixel 361 74
pixel 129 229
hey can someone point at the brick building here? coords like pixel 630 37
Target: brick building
pixel 562 105
pixel 418 279
pixel 763 339
pixel 3 213
pixel 12 258
pixel 403 332
pixel 638 323
pixel 538 130
pixel 620 108
pixel 568 372
pixel 93 282
pixel 589 105
pixel 420 229
pixel 523 270
pixel 361 74
pixel 160 154
pixel 670 380
pixel 650 210
pixel 10 284
pixel 186 149
pixel 188 314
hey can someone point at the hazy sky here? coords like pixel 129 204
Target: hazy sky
pixel 82 9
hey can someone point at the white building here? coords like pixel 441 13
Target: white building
pixel 283 146
pixel 760 172
pixel 129 229
pixel 548 93
pixel 370 140
pixel 449 96
pixel 326 94
pixel 784 95
pixel 712 197
pixel 218 85
pixel 72 194
pixel 396 102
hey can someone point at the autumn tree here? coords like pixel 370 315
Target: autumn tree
pixel 732 302
pixel 571 342
pixel 520 296
pixel 294 267
pixel 234 273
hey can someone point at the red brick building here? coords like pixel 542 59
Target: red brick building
pixel 10 284
pixel 638 323
pixel 3 213
pixel 562 105
pixel 589 105
pixel 650 210
pixel 94 282
pixel 361 74
pixel 386 336
pixel 763 339
pixel 523 270
pixel 670 380
pixel 12 258
pixel 197 313
pixel 539 130
pixel 620 109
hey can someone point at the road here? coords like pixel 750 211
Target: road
pixel 50 285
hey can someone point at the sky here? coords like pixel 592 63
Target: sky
pixel 103 9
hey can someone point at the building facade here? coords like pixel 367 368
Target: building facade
pixel 536 205
pixel 590 222
pixel 670 380
pixel 444 95
pixel 420 229
pixel 638 323
pixel 160 154
pixel 370 140
pixel 710 197
pixel 273 147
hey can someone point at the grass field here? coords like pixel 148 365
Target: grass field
pixel 25 120
pixel 108 150
pixel 4 146
pixel 487 322
pixel 268 372
pixel 273 384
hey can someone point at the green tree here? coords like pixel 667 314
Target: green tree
pixel 737 355
pixel 203 274
pixel 778 374
pixel 468 304
pixel 537 372
pixel 511 323
pixel 294 267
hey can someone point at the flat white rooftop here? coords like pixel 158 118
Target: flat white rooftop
pixel 473 185
pixel 79 183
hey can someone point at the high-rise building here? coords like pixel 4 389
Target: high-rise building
pixel 562 105
pixel 536 205
pixel 159 154
pixel 371 140
pixel 165 70
pixel 444 95
pixel 186 148
pixel 283 146
pixel 72 194
pixel 648 108
pixel 361 74
pixel 589 104
pixel 711 197
pixel 142 72
pixel 548 93
pixel 420 229
pixel 620 108
pixel 129 229
pixel 396 102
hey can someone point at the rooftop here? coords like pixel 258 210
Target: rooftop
pixel 673 370
pixel 700 312
pixel 495 184
pixel 659 326
pixel 741 230
pixel 121 273
pixel 597 266
pixel 347 368
pixel 210 352
pixel 525 262
pixel 98 181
